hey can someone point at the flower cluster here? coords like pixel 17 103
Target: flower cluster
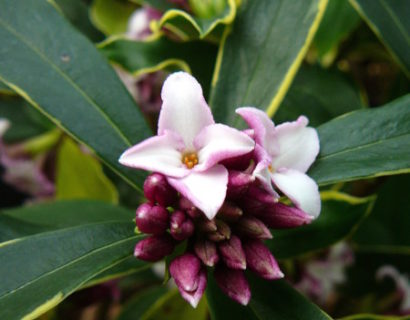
pixel 218 189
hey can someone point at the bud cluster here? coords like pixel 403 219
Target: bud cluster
pixel 230 243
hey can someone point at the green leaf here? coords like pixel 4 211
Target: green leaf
pixel 373 317
pixel 5 90
pixel 389 20
pixel 338 21
pixel 270 300
pixel 189 27
pixel 364 144
pixel 38 271
pixel 339 217
pixel 138 57
pixel 77 89
pixel 257 61
pixel 111 16
pixel 320 94
pixel 76 11
pixel 26 122
pixel 80 176
pixel 387 228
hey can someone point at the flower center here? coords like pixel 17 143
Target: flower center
pixel 190 159
pixel 271 169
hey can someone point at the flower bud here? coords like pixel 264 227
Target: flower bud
pixel 252 227
pixel 157 190
pixel 238 183
pixel 257 200
pixel 181 226
pixel 260 260
pixel 189 208
pixel 223 232
pixel 230 212
pixel 154 248
pixel 233 283
pixel 206 251
pixel 261 195
pixel 189 277
pixel 232 253
pixel 281 216
pixel 152 219
pixel 206 225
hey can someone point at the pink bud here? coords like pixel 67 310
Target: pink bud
pixel 157 190
pixel 154 248
pixel 252 227
pixel 223 232
pixel 206 251
pixel 233 283
pixel 181 226
pixel 189 208
pixel 152 219
pixel 232 253
pixel 257 200
pixel 230 212
pixel 189 277
pixel 281 216
pixel 238 183
pixel 260 260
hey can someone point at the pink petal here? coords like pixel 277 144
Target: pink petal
pixel 261 171
pixel 184 109
pixel 159 153
pixel 193 297
pixel 263 127
pixel 298 144
pixel 300 188
pixel 206 190
pixel 218 142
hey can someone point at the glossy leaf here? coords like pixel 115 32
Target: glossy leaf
pixel 257 62
pixel 364 144
pixel 387 228
pixel 340 214
pixel 373 317
pixel 80 176
pixel 38 271
pixel 390 22
pixel 77 89
pixel 320 94
pixel 270 300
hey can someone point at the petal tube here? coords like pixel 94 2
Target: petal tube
pixel 184 109
pixel 206 190
pixel 298 145
pixel 159 153
pixel 300 188
pixel 218 142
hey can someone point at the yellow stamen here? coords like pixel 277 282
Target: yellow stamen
pixel 190 159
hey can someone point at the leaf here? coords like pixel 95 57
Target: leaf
pixel 69 81
pixel 338 21
pixel 339 217
pixel 373 317
pixel 4 90
pixel 320 94
pixel 257 61
pixel 80 176
pixel 139 57
pixel 364 144
pixel 39 271
pixel 387 228
pixel 111 16
pixel 76 11
pixel 389 20
pixel 172 307
pixel 189 27
pixel 270 300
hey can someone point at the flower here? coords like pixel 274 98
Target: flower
pixel 284 153
pixel 189 145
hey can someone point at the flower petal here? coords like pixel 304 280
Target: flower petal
pixel 261 171
pixel 300 188
pixel 298 144
pixel 206 190
pixel 159 153
pixel 263 127
pixel 218 142
pixel 184 109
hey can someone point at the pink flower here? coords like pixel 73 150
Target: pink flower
pixel 189 145
pixel 284 154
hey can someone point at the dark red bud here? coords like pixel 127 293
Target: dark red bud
pixel 206 251
pixel 152 219
pixel 181 226
pixel 230 212
pixel 158 190
pixel 154 248
pixel 232 253
pixel 252 227
pixel 233 283
pixel 223 232
pixel 189 208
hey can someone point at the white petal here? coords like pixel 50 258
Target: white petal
pixel 160 154
pixel 264 129
pixel 184 109
pixel 4 125
pixel 261 171
pixel 218 142
pixel 206 190
pixel 298 145
pixel 300 188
